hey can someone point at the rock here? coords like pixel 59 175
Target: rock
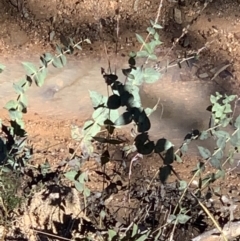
pixel 203 76
pixel 2 232
pixel 237 35
pixel 177 14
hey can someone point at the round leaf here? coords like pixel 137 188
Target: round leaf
pixel 86 192
pixel 164 172
pixel 96 98
pixel 204 152
pixel 151 75
pixel 169 157
pixel 182 185
pixel 12 104
pixel 162 145
pixel 30 68
pixel 2 67
pixel 146 149
pixel 58 62
pixel 124 119
pixel 204 135
pixel 71 175
pixel 79 186
pixel 40 77
pixel 216 163
pixel 182 218
pixel 143 122
pixel 110 78
pixel 114 102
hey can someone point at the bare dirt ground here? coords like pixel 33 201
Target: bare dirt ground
pixel 32 27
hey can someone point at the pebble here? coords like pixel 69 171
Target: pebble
pixel 203 75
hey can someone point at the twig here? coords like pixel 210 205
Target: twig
pixel 180 200
pixel 220 70
pixel 156 21
pixel 235 106
pixel 230 230
pixel 73 154
pixel 211 217
pixel 51 235
pixel 185 30
pixel 165 68
pixel 135 158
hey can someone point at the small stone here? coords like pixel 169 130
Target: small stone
pixel 203 75
pixel 237 35
pixel 177 15
pixel 194 183
pixel 2 231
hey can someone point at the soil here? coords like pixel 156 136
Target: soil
pixel 31 27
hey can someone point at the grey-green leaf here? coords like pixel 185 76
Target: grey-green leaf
pixel 15 114
pixel 204 135
pixel 2 67
pixel 151 30
pixel 182 185
pixel 47 57
pixel 182 218
pixel 92 131
pixel 63 60
pixel 100 115
pixel 135 229
pixel 142 54
pixel 204 152
pixel 18 89
pixel 221 134
pixel 184 148
pixel 57 63
pixel 40 77
pixel 79 186
pixel 140 39
pixel 71 175
pixel 235 141
pixel 155 25
pixel 216 163
pixel 237 122
pixel 29 68
pixel 97 99
pixel 23 99
pixel 137 76
pixel 151 75
pixel 124 119
pixel 221 142
pixel 86 192
pixel 111 234
pixel 83 177
pixel 11 104
pixel 152 57
pixel 143 237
